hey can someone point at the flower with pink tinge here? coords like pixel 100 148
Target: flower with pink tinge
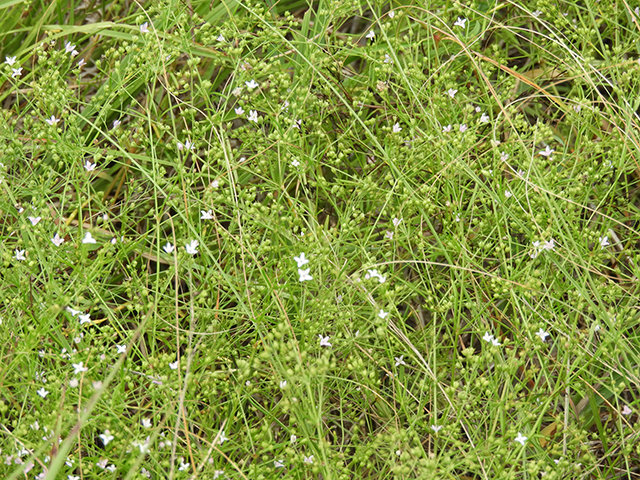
pixel 308 459
pixel 463 128
pixel 324 341
pixel 34 220
pixel 397 128
pixel 452 92
pixel 53 120
pixel 82 63
pixel 604 242
pixel 626 410
pixel 239 111
pixel 144 28
pixel 546 152
pixel 447 128
pixel 89 167
pixel 57 240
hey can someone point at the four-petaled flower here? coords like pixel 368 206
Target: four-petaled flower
pixel 542 334
pixel 174 365
pixel 42 392
pixel 10 60
pixel 146 422
pixel 460 22
pixel 463 128
pixel 79 368
pixel 16 72
pixel 34 220
pixel 301 260
pixel 507 194
pixel 192 247
pixel 521 439
pixel 397 128
pixel 400 360
pixel 82 63
pixel 278 464
pixel 52 121
pixel 304 274
pixel 70 49
pixel 206 215
pixel 144 28
pixel 19 255
pixel 452 92
pixel 86 318
pixel 396 221
pixel 168 248
pixel 222 438
pixel 88 238
pixel 604 241
pixel 295 163
pixel 188 145
pixel 382 314
pixel 546 152
pixel 121 348
pixel 283 383
pixel 371 35
pixel 220 38
pixel 89 167
pixel 239 111
pixel 253 116
pixel 436 428
pixel 626 410
pixel 116 124
pixel 252 84
pixel 484 118
pixel 447 128
pixel 308 459
pixel 324 341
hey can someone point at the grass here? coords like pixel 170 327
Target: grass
pixel 461 178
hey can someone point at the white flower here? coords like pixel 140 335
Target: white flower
pixel 397 128
pixel 495 342
pixel 10 60
pixel 111 468
pixel 220 38
pixel 304 274
pixel 542 334
pixel 549 244
pixel 604 241
pixel 301 260
pixel 460 22
pixel 452 92
pixel 42 392
pixel 504 156
pixel 487 337
pixel 187 145
pixel 52 121
pixel 521 439
pixel 73 312
pixel 400 360
pixel 546 152
pixel 507 194
pixel 34 220
pixel 116 124
pixel 79 368
pixel 239 111
pixel 82 63
pixel 223 438
pixel 86 318
pixel 484 118
pixel 396 221
pixel 102 463
pixel 392 14
pixel 57 240
pixel 387 58
pixel 253 116
pixel 89 167
pixel 382 314
pixel 463 128
pixel 626 410
pixel 293 439
pixel 121 348
pixel 168 248
pixel 183 466
pixel 88 238
pixel 73 383
pixel 371 35
pixel 537 13
pixel 144 28
pixel 174 365
pixel 217 473
pixel 215 184
pixel 70 49
pixel 295 163
pixel 252 84
pixel 324 341
pixel 192 247
pixel 146 422
pixel 208 215
pixel 447 128
pixel 388 235
pixel 308 459
pixel 143 446
pixel 19 255
pixel 283 383
pixel 457 217
pixel 16 72
pixel 436 428
pixel 278 464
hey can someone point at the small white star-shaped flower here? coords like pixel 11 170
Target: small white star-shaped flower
pixel 278 464
pixel 436 428
pixel 542 334
pixel 10 60
pixel 111 468
pixel 253 116
pixel 400 360
pixel 19 255
pixel 102 463
pixel 392 14
pixel 371 35
pixel 73 383
pixel 521 439
pixel 397 128
pixel 308 459
pixel 115 124
pixel 487 337
pixel 121 348
pixel 53 120
pixel 57 240
pixel 188 145
pixel 34 220
pixel 301 260
pixel 460 22
pixel 452 92
pixel 295 163
pixel 146 422
pixel 215 184
pixel 208 215
pixel 192 247
pixel 70 49
pixel 73 312
pixel 304 275
pixel 144 28
pixel 495 342
pixel 223 438
pixel 604 241
pixel 283 383
pixel 220 38
pixel 463 128
pixel 86 318
pixel 174 365
pixel 183 466
pixel 89 167
pixel 252 84
pixel 396 221
pixel 324 341
pixel 549 244
pixel 484 118
pixel 16 72
pixel 42 392
pixel 82 63
pixel 508 194
pixel 504 156
pixel 447 128
pixel 79 368
pixel 626 410
pixel 546 152
pixel 388 235
pixel 537 13
pixel 239 111
pixel 168 248
pixel 382 314
pixel 88 238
